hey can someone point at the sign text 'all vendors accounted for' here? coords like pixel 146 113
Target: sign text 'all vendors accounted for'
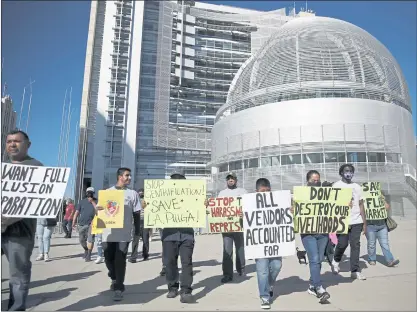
pixel 373 201
pixel 175 203
pixel 268 225
pixel 31 191
pixel 321 210
pixel 224 214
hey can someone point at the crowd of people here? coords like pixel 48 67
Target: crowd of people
pixel 18 238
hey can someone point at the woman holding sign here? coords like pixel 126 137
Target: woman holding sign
pixel 315 245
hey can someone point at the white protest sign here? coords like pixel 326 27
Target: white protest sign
pixel 268 225
pixel 31 191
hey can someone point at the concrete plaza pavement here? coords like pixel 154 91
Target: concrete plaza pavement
pixel 68 283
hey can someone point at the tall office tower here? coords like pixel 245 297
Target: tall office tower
pixel 155 74
pixel 8 122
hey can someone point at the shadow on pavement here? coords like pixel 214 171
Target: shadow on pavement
pixel 67 257
pixel 63 278
pixel 294 284
pixel 211 283
pixel 36 299
pixel 380 259
pixel 134 294
pixel 63 244
pixel 345 265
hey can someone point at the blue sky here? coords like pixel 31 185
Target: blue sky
pixel 46 41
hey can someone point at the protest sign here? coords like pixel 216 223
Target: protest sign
pixel 31 191
pixel 94 229
pixel 224 214
pixel 373 201
pixel 112 216
pixel 268 225
pixel 321 210
pixel 175 203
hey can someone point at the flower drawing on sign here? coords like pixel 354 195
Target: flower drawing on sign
pixel 111 208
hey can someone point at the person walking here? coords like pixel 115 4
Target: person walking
pixel 141 232
pixel 377 230
pixel 231 238
pixel 315 246
pixel 69 215
pixel 178 242
pixel 85 213
pixel 18 235
pixel 356 226
pixel 267 269
pixel 116 241
pixel 44 230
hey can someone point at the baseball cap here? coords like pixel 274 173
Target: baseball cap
pixel 177 172
pixel 231 174
pixel 89 189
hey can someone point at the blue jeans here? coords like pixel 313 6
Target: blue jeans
pixel 44 234
pixel 380 232
pixel 18 251
pixel 315 245
pixel 99 240
pixel 267 270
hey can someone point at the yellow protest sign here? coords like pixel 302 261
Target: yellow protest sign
pixel 175 203
pixel 224 214
pixel 94 229
pixel 321 210
pixel 373 201
pixel 112 216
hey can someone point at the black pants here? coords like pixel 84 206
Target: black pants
pixel 227 265
pixel 67 227
pixel 353 237
pixel 145 234
pixel 115 254
pixel 171 251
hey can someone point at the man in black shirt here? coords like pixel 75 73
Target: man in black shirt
pixel 18 235
pixel 178 242
pixel 85 212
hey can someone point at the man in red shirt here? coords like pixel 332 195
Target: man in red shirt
pixel 67 222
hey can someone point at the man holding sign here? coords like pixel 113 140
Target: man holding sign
pixel 269 234
pixel 376 210
pixel 357 224
pixel 18 235
pixel 229 195
pixel 115 241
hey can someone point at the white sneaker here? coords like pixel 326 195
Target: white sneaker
pixel 265 305
pixel 358 276
pixel 335 267
pixel 46 258
pixel 99 260
pixel 40 257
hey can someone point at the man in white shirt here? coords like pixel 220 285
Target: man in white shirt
pixel 233 237
pixel 115 242
pixel 356 226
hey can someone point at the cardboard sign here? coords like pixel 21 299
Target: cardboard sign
pixel 31 191
pixel 94 229
pixel 113 202
pixel 175 203
pixel 321 210
pixel 373 201
pixel 224 214
pixel 268 225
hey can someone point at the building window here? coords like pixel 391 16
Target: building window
pixel 354 157
pixel 224 168
pixel 291 159
pixel 266 162
pixel 335 157
pixel 251 163
pixel 313 158
pixel 376 157
pixel 393 158
pixel 235 165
